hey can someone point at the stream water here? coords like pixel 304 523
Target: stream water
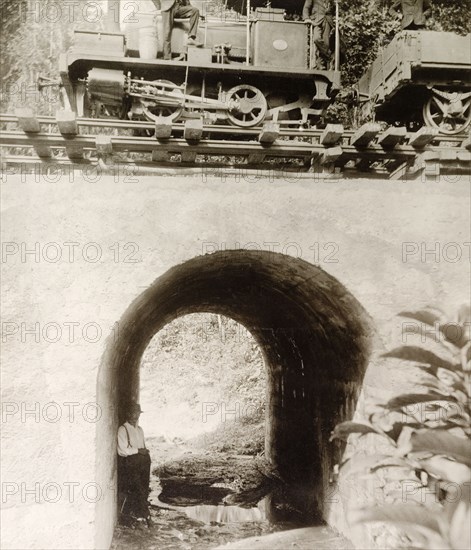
pixel 209 513
pixel 195 527
pixel 191 515
pixel 198 527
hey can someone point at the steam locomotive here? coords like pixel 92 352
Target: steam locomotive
pixel 250 69
pixel 259 67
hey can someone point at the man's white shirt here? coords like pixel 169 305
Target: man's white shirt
pixel 136 439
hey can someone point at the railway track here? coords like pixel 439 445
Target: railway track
pixel 27 140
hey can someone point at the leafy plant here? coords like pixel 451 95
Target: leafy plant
pixel 427 435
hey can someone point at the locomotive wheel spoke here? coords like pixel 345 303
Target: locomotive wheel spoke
pixel 154 111
pixel 439 104
pixel 251 106
pixel 466 109
pixel 450 117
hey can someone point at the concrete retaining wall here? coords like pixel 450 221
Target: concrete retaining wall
pixel 77 253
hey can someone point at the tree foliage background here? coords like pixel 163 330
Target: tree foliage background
pixel 366 25
pixel 203 375
pixel 34 34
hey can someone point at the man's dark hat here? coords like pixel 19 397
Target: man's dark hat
pixel 135 407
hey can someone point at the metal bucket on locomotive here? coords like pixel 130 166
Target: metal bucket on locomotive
pixel 142 33
pixel 148 41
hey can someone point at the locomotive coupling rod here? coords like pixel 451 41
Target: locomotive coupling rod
pixel 169 99
pixel 160 83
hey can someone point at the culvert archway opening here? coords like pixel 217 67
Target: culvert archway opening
pixel 314 336
pixel 202 380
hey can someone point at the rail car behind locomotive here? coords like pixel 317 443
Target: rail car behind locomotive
pixel 422 77
pixel 247 72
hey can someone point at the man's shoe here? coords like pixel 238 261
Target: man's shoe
pixel 193 42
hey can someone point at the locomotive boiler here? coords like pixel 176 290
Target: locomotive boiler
pixel 251 68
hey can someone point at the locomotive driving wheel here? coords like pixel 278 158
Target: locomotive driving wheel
pixel 167 108
pixel 450 112
pixel 250 105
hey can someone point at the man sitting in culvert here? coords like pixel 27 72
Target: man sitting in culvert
pixel 134 466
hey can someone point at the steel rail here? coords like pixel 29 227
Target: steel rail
pixel 204 146
pixel 221 129
pixel 369 151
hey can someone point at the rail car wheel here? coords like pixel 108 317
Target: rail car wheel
pixel 450 112
pixel 169 109
pixel 250 105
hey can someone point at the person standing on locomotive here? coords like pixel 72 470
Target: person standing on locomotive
pixel 172 9
pixel 414 13
pixel 317 12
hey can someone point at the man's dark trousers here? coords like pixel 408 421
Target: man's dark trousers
pixel 178 11
pixel 134 474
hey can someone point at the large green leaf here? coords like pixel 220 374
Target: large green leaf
pixel 408 399
pixel 453 332
pixel 371 463
pixel 438 387
pixel 465 357
pixel 446 469
pixel 464 314
pixel 457 517
pixel 452 422
pixel 430 337
pixel 450 504
pixel 420 355
pixel 461 395
pixel 344 429
pixel 397 427
pixel 442 443
pixel 426 316
pixel 460 531
pixel 360 463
